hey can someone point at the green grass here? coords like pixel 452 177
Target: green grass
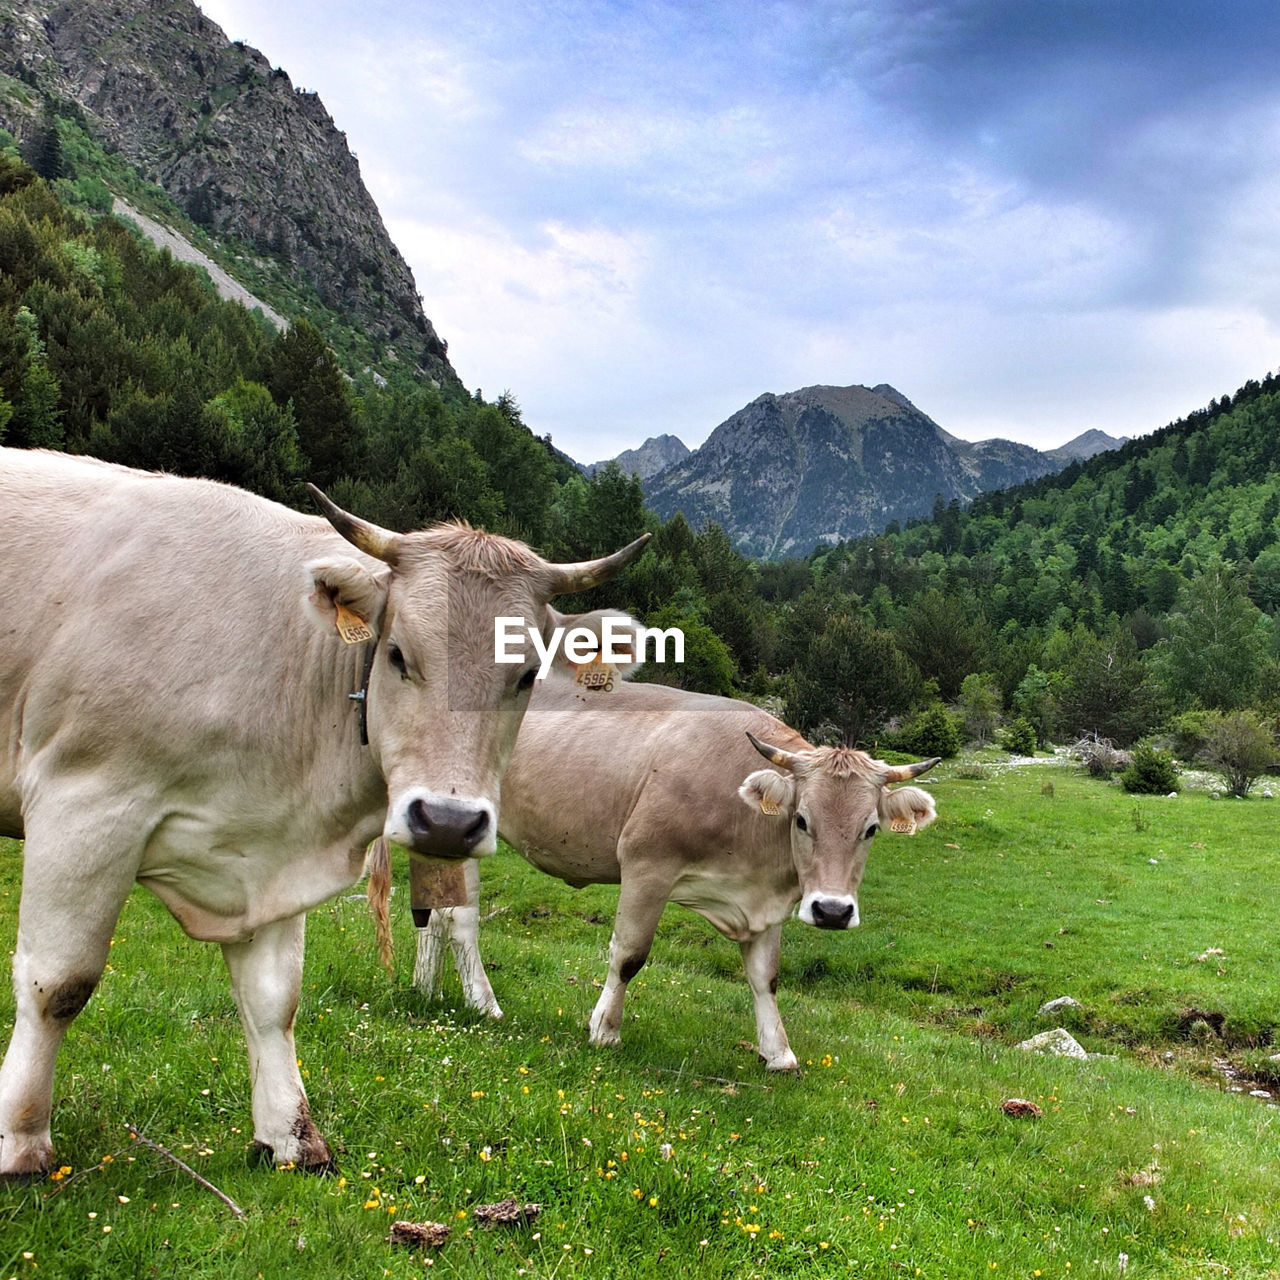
pixel 889 1156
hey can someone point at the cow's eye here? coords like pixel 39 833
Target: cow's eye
pixel 396 658
pixel 526 681
pixel 871 830
pixel 801 824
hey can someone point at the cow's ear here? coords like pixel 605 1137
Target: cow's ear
pixel 772 793
pixel 346 597
pixel 622 630
pixel 906 809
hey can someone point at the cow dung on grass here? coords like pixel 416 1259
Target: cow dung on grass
pixel 419 1235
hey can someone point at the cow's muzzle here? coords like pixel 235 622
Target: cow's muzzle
pixel 830 913
pixel 444 826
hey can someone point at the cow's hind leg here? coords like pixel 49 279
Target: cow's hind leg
pixel 760 957
pixel 640 905
pixel 460 928
pixel 266 976
pixel 68 912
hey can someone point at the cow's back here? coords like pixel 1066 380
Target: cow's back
pixel 661 764
pixel 135 608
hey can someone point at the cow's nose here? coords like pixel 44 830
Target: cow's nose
pixel 832 913
pixel 446 828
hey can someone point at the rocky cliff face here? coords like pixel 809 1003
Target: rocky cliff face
pixel 791 471
pixel 232 142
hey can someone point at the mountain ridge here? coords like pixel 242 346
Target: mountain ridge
pixel 824 463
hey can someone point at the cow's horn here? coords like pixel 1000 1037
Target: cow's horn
pixel 372 540
pixel 591 573
pixel 900 773
pixel 775 755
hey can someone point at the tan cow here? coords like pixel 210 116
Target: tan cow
pixel 175 694
pixel 656 790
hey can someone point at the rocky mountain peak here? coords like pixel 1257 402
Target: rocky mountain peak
pixel 231 140
pixel 789 471
pixel 1086 445
pixel 651 457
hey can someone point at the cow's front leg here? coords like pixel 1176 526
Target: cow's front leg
pixel 460 928
pixel 640 905
pixel 71 897
pixel 266 976
pixel 432 938
pixel 47 996
pixel 760 957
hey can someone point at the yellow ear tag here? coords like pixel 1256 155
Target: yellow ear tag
pixel 771 807
pixel 597 676
pixel 351 627
pixel 904 826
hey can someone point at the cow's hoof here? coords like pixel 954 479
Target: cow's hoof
pixel 27 1161
pixel 262 1154
pixel 488 1008
pixel 786 1063
pixel 304 1148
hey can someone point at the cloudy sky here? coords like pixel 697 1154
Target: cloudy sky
pixel 1032 217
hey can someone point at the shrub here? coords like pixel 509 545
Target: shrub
pixel 1020 737
pixel 1189 733
pixel 708 665
pixel 1239 745
pixel 1151 772
pixel 930 732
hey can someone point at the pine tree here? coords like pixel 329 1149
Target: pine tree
pixel 853 679
pixel 305 373
pixel 44 153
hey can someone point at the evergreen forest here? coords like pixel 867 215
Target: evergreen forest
pixel 1131 598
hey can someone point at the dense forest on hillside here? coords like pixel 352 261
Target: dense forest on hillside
pixel 1128 595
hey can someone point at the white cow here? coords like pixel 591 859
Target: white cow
pixel 655 789
pixel 175 711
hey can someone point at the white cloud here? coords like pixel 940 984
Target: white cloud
pixel 542 317
pixel 689 158
pixel 415 81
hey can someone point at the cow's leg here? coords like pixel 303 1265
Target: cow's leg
pixel 68 912
pixel 460 927
pixel 433 937
pixel 266 976
pixel 760 959
pixel 640 905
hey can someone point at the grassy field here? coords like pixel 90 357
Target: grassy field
pixel 676 1155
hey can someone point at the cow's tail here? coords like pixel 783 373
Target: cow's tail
pixel 377 862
